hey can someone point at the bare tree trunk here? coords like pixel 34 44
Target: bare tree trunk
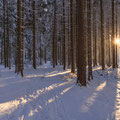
pixel 7 40
pixel 64 38
pixel 19 39
pixel 102 35
pixel 90 76
pixel 34 37
pixel 71 37
pixel 116 37
pixel 4 32
pixel 22 44
pixel 54 52
pixel 94 35
pixel 113 35
pixel 81 65
pixel 69 52
pixel 109 44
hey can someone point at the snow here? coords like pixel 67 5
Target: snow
pixel 51 94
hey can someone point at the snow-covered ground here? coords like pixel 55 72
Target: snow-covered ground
pixel 50 94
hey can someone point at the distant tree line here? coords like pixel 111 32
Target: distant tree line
pixel 74 33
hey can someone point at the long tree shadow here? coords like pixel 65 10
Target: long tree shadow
pixel 37 102
pixel 103 99
pixel 49 97
pixel 116 114
pixel 15 95
pixel 11 85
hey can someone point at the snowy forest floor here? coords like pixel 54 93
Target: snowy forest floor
pixel 50 94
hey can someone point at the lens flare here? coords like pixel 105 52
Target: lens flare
pixel 117 41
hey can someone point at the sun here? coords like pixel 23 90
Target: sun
pixel 117 41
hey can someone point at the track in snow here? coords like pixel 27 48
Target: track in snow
pixel 43 94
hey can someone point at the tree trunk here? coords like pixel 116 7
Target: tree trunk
pixel 34 37
pixel 81 65
pixel 113 35
pixel 64 38
pixel 90 76
pixel 102 35
pixel 71 37
pixel 4 32
pixel 19 39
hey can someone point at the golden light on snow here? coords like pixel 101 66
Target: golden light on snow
pixel 89 102
pixel 101 87
pixel 32 112
pixel 117 102
pixel 11 106
pixel 49 74
pixel 59 73
pixel 117 107
pixel 67 89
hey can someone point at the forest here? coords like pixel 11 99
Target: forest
pixel 59 59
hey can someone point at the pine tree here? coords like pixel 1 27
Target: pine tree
pixel 102 35
pixel 71 37
pixel 90 76
pixel 34 36
pixel 19 40
pixel 4 33
pixel 22 41
pixel 81 65
pixel 64 38
pixel 7 40
pixel 113 35
pixel 54 44
pixel 95 50
pixel 116 36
